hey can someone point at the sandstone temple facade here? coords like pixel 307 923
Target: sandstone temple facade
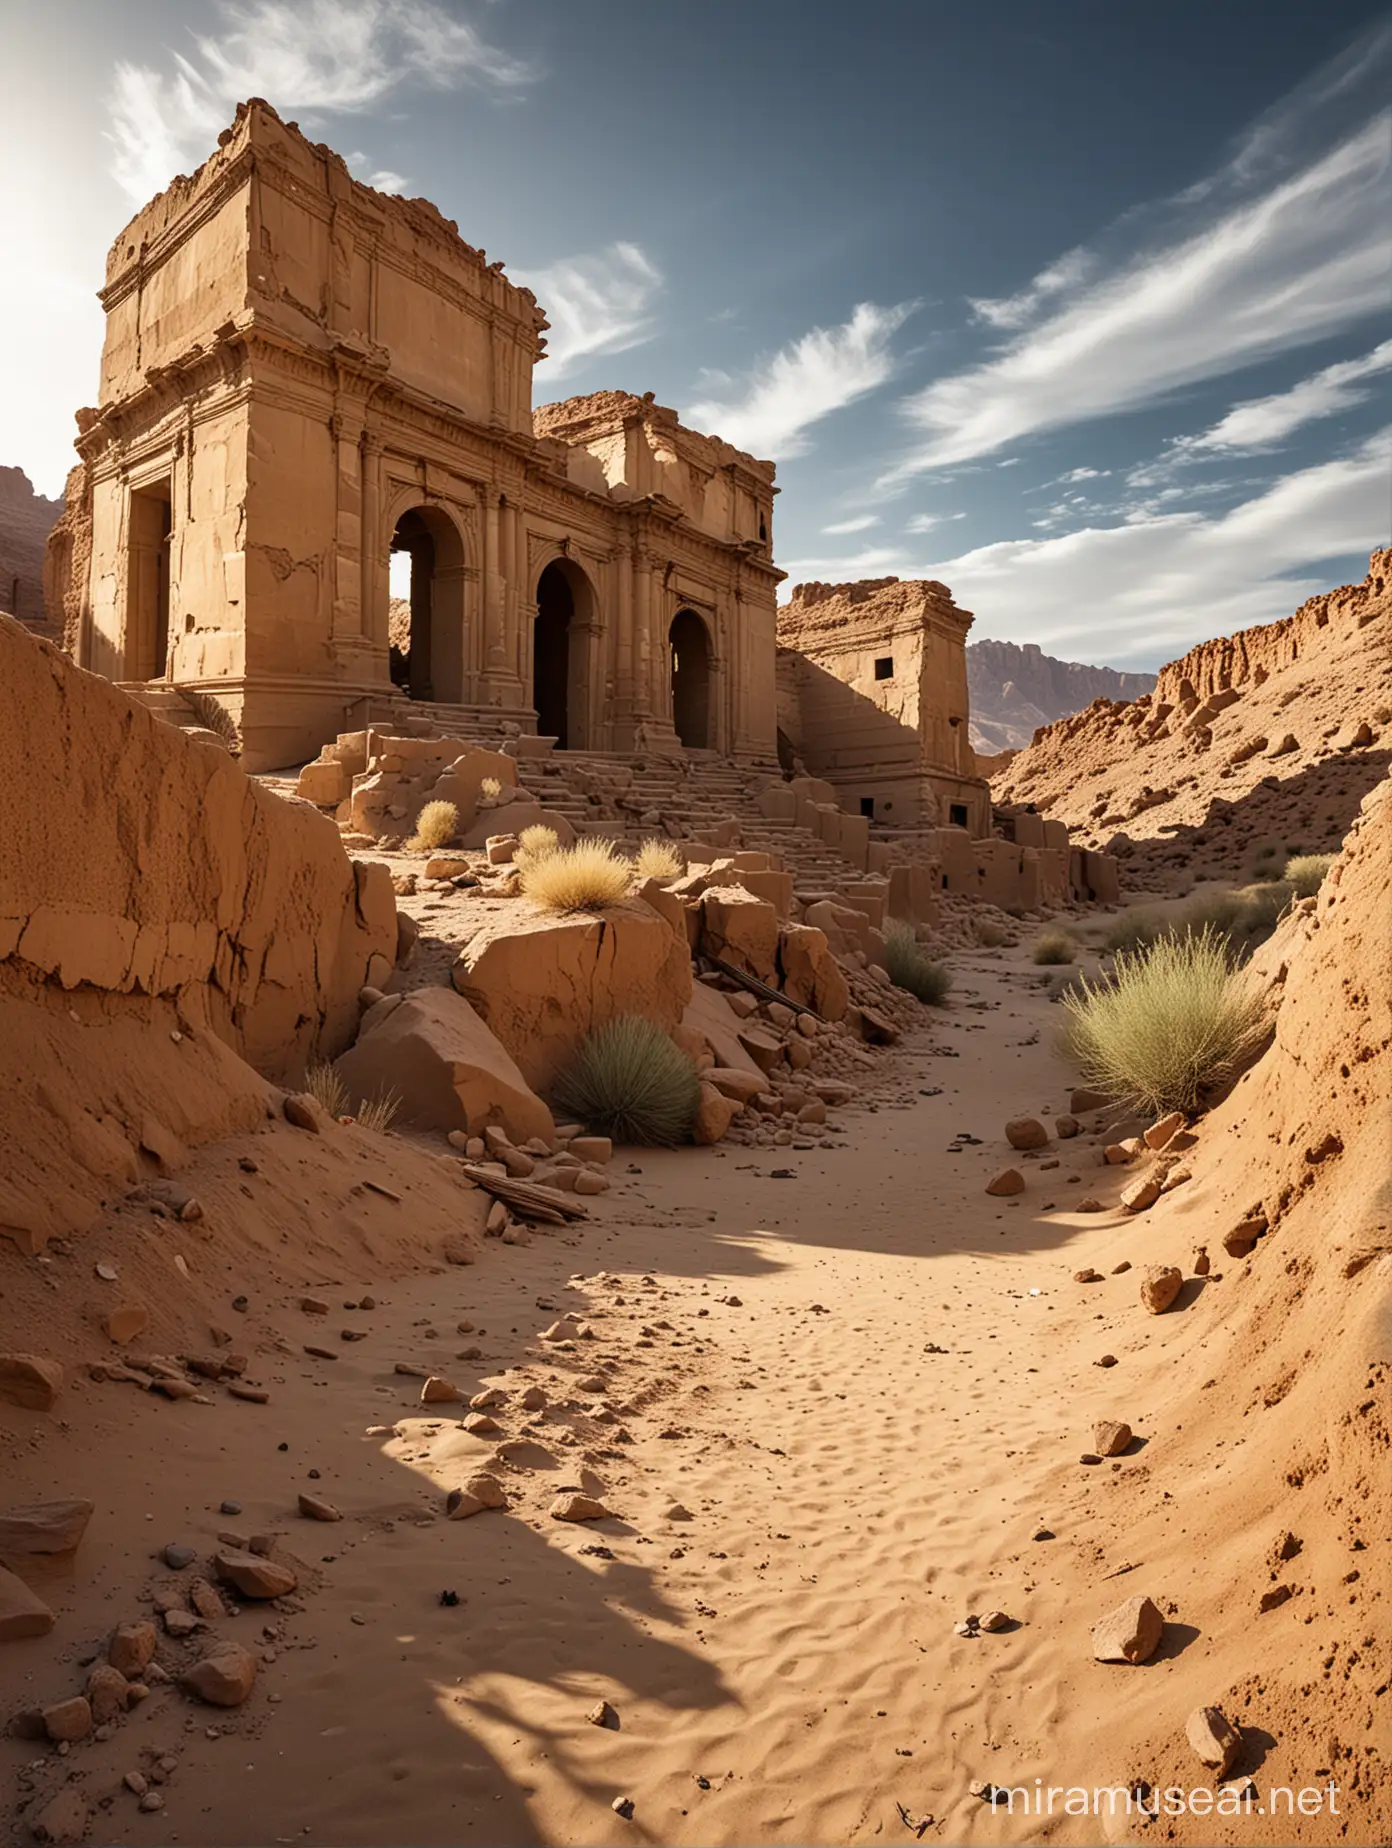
pixel 872 697
pixel 302 377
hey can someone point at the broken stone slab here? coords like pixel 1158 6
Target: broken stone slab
pixel 32 1381
pixel 1164 1130
pixel 315 1508
pixel 578 1508
pixel 1130 1633
pixel 53 1527
pixel 22 1612
pixel 1142 1194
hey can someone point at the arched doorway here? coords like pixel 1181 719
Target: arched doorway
pixel 426 617
pixel 691 680
pixel 561 654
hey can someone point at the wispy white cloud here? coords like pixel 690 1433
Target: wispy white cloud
pixel 826 369
pixel 597 303
pixel 1262 424
pixel 1082 474
pixel 1275 251
pixel 861 523
pixel 1143 591
pixel 332 56
pixel 1014 311
pixel 1140 591
pixel 925 522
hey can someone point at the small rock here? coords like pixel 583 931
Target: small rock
pixel 1203 1264
pixel 533 1400
pixel 224 1677
pixel 486 1400
pixel 679 1513
pixel 480 1424
pixel 1216 1741
pixel 1160 1285
pixel 1107 1360
pixel 1066 1127
pixel 438 1391
pixel 1026 1133
pixel 22 1612
pixel 1141 1194
pixel 602 1714
pixel 108 1692
pixel 1130 1633
pixel 1087 1276
pixel 995 1620
pixel 315 1508
pixel 178 1557
pixel 1273 1600
pixel 304 1112
pixel 136 1782
pixel 254 1577
pixel 180 1623
pixel 1243 1236
pixel 1008 1181
pixel 68 1720
pixel 151 1802
pixel 1164 1130
pixel 207 1600
pixel 622 1806
pixel 132 1646
pixel 1089 1205
pixel 566 1329
pixel 1110 1437
pixel 578 1508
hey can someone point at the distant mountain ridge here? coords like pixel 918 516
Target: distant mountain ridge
pixel 1015 687
pixel 26 519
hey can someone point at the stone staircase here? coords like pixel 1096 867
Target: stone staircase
pixel 167 702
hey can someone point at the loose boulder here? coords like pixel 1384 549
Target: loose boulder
pixel 1216 1740
pixel 252 1575
pixel 1160 1285
pixel 714 1115
pixel 22 1612
pixel 1110 1436
pixel 53 1528
pixel 541 982
pixel 740 929
pixel 32 1381
pixel 448 1068
pixel 1008 1181
pixel 811 974
pixel 1130 1633
pixel 224 1677
pixel 1026 1133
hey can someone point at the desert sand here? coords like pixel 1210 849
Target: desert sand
pixel 831 1415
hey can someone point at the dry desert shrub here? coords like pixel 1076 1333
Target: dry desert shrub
pixel 1055 946
pixel 991 936
pixel 1172 1023
pixel 491 787
pixel 1304 874
pixel 581 877
pixel 658 860
pixel 629 1081
pixel 436 825
pixel 534 843
pixel 910 968
pixel 327 1089
pixel 378 1113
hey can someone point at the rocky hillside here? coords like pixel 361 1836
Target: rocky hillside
pixel 1015 689
pixel 26 519
pixel 1271 737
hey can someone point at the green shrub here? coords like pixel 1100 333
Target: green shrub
pixel 1171 1022
pixel 910 968
pixel 629 1081
pixel 436 825
pixel 1055 946
pixel 581 877
pixel 1305 873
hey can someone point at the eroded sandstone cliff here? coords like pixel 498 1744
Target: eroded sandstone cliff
pixel 1015 689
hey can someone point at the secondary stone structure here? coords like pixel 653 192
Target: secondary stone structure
pixel 872 697
pixel 301 377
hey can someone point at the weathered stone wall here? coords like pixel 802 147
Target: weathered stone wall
pixel 26 519
pixel 136 861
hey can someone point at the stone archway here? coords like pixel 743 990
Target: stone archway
pixel 565 604
pixel 691 680
pixel 426 638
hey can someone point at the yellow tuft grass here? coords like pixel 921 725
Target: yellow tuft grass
pixel 490 787
pixel 1173 1021
pixel 1305 872
pixel 658 860
pixel 534 843
pixel 436 825
pixel 582 877
pixel 327 1089
pixel 1055 946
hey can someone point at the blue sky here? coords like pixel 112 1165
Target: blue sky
pixel 1078 305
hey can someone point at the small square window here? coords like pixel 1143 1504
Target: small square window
pixel 867 806
pixel 884 667
pixel 957 814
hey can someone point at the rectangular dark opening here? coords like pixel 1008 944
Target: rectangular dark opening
pixel 147 581
pixel 957 814
pixel 867 806
pixel 884 667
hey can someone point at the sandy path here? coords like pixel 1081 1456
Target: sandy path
pixel 852 1492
